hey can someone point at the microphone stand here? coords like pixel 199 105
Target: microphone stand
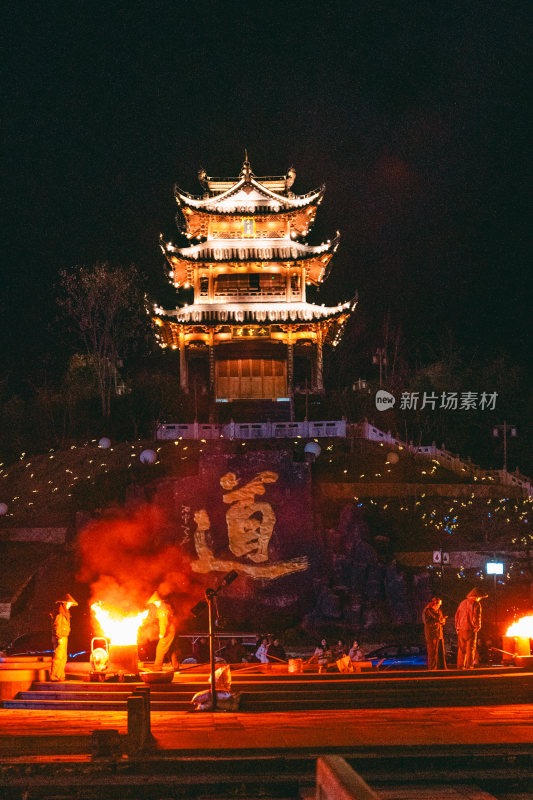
pixel 210 596
pixel 211 600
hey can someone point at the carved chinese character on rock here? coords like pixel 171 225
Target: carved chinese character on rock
pixel 250 527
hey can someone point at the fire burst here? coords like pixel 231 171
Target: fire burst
pixel 119 628
pixel 523 627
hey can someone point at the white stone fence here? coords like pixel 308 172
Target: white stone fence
pixel 342 429
pixel 252 430
pixel 453 462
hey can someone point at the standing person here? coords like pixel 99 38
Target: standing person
pixel 433 626
pixel 467 625
pixel 61 632
pixel 167 632
pixel 262 650
pixel 276 651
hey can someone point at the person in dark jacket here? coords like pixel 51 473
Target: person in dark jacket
pixel 276 652
pixel 200 650
pixel 433 627
pixel 467 625
pixel 234 652
pixel 61 632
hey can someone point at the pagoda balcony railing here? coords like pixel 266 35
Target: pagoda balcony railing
pixel 250 295
pixel 231 235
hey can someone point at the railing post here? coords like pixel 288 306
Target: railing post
pixel 144 692
pixel 136 723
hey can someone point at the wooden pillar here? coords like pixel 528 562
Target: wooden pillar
pixel 184 373
pixel 319 363
pixel 211 286
pixel 211 343
pixel 288 286
pixel 290 362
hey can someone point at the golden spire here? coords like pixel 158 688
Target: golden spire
pixel 246 171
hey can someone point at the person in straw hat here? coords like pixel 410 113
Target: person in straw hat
pixel 61 631
pixel 467 625
pixel 167 632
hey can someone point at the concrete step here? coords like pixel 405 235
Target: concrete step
pixel 121 697
pixel 90 705
pixel 295 694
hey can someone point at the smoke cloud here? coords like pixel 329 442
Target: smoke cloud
pixel 125 558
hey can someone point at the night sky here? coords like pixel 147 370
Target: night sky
pixel 414 114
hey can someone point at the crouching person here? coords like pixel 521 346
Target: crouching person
pixel 226 699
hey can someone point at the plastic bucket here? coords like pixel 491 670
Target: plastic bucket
pixel 296 665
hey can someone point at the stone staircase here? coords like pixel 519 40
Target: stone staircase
pixel 260 693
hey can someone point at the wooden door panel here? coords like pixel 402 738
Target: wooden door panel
pixel 251 378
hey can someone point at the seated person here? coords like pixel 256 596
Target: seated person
pixel 200 650
pixel 339 650
pixel 322 655
pixel 356 654
pixel 234 652
pixel 276 652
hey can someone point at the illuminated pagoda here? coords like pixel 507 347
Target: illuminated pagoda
pixel 246 257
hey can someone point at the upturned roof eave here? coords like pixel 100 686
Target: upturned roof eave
pixel 287 204
pixel 216 314
pixel 304 252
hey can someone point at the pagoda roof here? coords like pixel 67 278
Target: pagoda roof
pixel 228 250
pixel 247 194
pixel 252 198
pixel 238 313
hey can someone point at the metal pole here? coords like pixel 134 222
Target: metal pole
pixel 496 608
pixel 209 596
pixel 505 447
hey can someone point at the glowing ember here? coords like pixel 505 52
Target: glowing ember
pixel 523 627
pixel 119 628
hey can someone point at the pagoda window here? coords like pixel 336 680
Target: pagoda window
pixel 204 286
pixel 250 285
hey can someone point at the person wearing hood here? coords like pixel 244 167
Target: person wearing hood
pixel 61 632
pixel 167 632
pixel 467 625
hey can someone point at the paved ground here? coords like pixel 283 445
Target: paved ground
pixel 38 733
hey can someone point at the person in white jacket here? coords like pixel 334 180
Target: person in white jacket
pixel 261 652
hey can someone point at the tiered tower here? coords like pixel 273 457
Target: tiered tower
pixel 248 262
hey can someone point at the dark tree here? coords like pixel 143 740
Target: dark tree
pixel 107 308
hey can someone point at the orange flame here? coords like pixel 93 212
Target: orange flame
pixel 119 628
pixel 522 627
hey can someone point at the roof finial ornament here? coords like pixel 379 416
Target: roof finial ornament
pixel 246 172
pixel 202 177
pixel 291 175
